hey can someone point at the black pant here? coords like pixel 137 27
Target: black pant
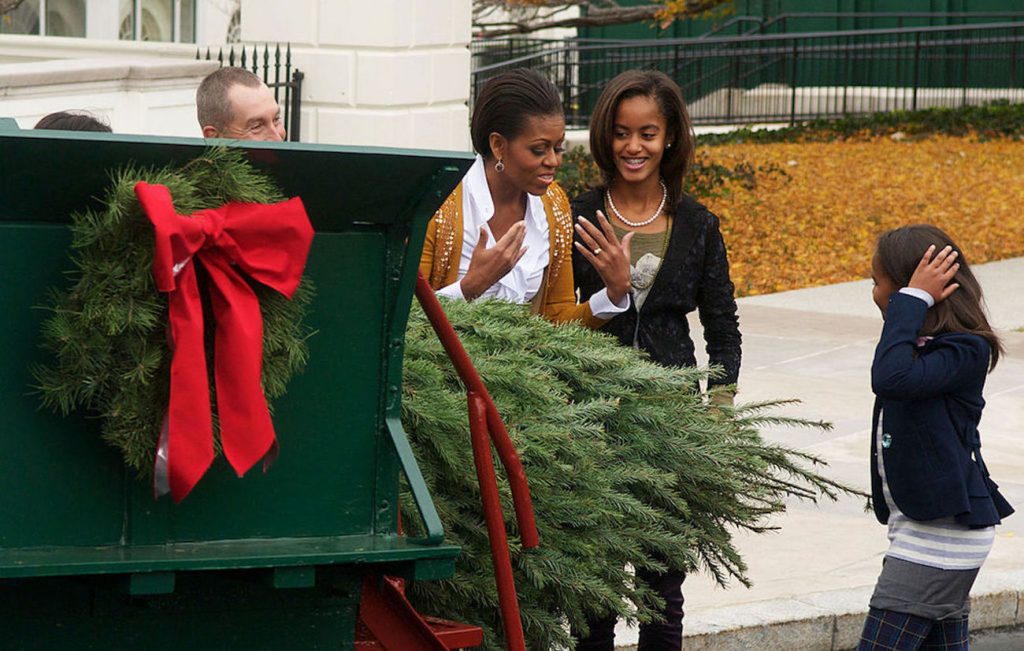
pixel 666 635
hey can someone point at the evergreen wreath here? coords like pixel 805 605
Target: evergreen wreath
pixel 107 333
pixel 626 465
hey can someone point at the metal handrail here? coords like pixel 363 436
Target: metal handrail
pixel 735 20
pixel 486 427
pixel 898 15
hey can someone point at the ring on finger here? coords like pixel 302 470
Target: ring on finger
pixel 597 251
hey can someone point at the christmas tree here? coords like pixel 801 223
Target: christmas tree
pixel 627 464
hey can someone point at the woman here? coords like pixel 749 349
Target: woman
pixel 506 231
pixel 642 140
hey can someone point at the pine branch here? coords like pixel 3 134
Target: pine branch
pixel 106 333
pixel 627 466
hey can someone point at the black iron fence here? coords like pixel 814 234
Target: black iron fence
pixel 487 51
pixel 275 72
pixel 796 76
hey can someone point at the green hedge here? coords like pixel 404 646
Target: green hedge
pixel 579 173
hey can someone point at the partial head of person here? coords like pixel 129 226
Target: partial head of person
pixel 897 256
pixel 235 103
pixel 640 130
pixel 518 127
pixel 72 121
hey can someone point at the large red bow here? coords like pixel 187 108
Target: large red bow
pixel 270 244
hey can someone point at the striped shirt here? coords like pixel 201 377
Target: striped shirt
pixel 941 543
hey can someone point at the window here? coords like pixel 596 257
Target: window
pixel 158 20
pixel 23 20
pixel 140 20
pixel 235 28
pixel 50 17
pixel 65 18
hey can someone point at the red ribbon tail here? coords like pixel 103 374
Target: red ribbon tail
pixel 189 423
pixel 246 431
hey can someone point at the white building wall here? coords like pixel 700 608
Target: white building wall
pixel 212 20
pixel 383 73
pixel 145 96
pixel 102 19
pixel 386 73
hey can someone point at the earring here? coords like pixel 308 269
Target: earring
pixel 668 146
pixel 499 167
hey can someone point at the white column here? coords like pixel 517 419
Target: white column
pixel 385 73
pixel 102 19
pixel 137 20
pixel 212 18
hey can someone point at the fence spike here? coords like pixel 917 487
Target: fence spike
pixel 277 73
pixel 295 106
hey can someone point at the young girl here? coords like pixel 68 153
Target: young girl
pixel 641 138
pixel 928 480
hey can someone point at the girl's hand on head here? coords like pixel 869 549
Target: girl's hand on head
pixel 489 265
pixel 609 256
pixel 934 272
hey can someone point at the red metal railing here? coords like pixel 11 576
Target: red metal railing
pixel 486 427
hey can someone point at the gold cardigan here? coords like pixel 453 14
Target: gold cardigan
pixel 556 299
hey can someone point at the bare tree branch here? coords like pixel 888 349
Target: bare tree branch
pixel 9 5
pixel 525 16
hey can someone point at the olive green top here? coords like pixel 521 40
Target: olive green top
pixel 646 251
pixel 653 243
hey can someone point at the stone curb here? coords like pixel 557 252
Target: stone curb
pixel 832 621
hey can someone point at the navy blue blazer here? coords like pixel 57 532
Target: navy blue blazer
pixel 930 401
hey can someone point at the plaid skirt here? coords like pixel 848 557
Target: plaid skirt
pixel 886 630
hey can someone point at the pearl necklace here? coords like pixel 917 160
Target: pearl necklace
pixel 661 206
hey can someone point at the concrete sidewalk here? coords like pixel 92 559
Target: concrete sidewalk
pixel 813 577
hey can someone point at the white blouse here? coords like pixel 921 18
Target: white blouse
pixel 522 283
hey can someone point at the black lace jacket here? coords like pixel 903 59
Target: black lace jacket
pixel 693 276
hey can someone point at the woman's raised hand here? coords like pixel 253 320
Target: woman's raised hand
pixel 607 254
pixel 489 265
pixel 934 272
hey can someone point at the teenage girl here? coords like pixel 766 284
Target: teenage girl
pixel 641 138
pixel 928 480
